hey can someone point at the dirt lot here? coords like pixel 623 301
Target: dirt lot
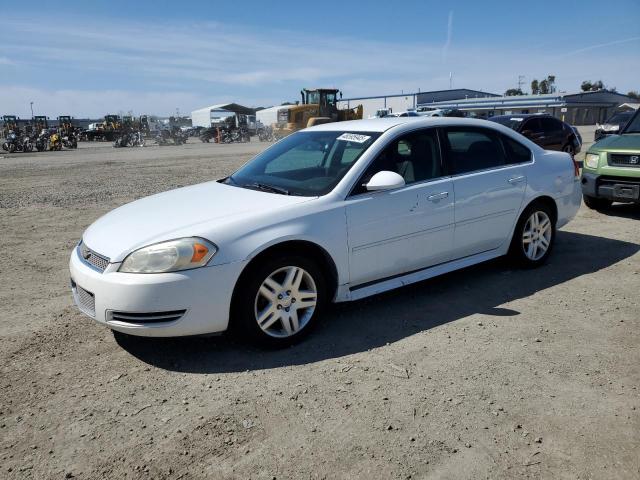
pixel 489 372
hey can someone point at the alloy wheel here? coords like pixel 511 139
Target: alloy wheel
pixel 536 236
pixel 285 302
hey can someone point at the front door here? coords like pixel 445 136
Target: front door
pixel 406 229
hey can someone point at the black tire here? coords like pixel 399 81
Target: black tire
pixel 517 250
pixel 570 149
pixel 595 203
pixel 243 323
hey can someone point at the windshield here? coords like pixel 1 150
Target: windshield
pixel 511 122
pixel 620 117
pixel 634 124
pixel 304 163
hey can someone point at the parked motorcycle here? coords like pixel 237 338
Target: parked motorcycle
pixel 27 144
pixel 55 142
pixel 208 134
pixel 265 134
pixel 171 137
pixel 137 140
pixel 121 141
pixel 243 135
pixel 70 140
pixel 42 142
pixel 11 143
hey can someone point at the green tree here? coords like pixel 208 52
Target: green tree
pixel 634 94
pixel 535 87
pixel 551 82
pixel 586 86
pixel 544 86
pixel 512 92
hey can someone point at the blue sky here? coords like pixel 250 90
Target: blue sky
pixel 92 58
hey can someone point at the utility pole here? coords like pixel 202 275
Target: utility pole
pixel 450 80
pixel 31 105
pixel 520 82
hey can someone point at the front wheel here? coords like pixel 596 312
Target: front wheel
pixel 278 302
pixel 570 149
pixel 595 203
pixel 533 237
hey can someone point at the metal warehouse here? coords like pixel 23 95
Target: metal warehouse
pixel 405 101
pixel 203 116
pixel 584 108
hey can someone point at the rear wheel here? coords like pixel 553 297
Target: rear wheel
pixel 533 236
pixel 595 203
pixel 278 302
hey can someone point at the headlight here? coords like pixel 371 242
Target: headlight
pixel 171 256
pixel 591 160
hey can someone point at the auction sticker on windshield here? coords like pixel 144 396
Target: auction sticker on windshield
pixel 353 137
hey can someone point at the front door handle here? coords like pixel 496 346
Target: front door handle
pixel 516 179
pixel 437 196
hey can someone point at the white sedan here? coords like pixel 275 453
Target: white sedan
pixel 333 213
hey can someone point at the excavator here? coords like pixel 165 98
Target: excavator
pixel 319 105
pixel 9 122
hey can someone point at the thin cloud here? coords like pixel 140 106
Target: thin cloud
pixel 601 45
pixel 445 49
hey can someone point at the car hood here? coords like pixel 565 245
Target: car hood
pixel 188 211
pixel 627 142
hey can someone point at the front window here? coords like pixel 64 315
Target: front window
pixel 304 163
pixel 634 124
pixel 620 117
pixel 313 97
pixel 330 99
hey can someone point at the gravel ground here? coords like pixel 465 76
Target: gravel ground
pixel 489 372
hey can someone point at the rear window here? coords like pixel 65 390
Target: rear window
pixel 516 152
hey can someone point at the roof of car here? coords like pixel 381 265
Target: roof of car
pixel 522 115
pixel 384 124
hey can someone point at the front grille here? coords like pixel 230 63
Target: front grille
pixel 92 258
pixel 613 180
pixel 84 299
pixel 146 317
pixel 624 160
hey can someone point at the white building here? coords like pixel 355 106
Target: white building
pixel 407 101
pixel 269 116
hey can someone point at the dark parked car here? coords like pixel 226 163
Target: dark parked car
pixel 544 130
pixel 614 124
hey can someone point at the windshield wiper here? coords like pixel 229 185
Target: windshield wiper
pixel 268 188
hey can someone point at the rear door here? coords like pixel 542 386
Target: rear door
pixel 488 186
pixel 553 133
pixel 532 129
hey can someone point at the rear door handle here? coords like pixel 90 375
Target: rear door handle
pixel 437 196
pixel 516 179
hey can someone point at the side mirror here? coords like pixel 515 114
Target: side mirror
pixel 384 180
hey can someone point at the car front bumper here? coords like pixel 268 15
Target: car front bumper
pixel 617 189
pixel 191 302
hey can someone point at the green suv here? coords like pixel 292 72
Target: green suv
pixel 611 171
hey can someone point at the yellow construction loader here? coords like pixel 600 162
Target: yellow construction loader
pixel 318 106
